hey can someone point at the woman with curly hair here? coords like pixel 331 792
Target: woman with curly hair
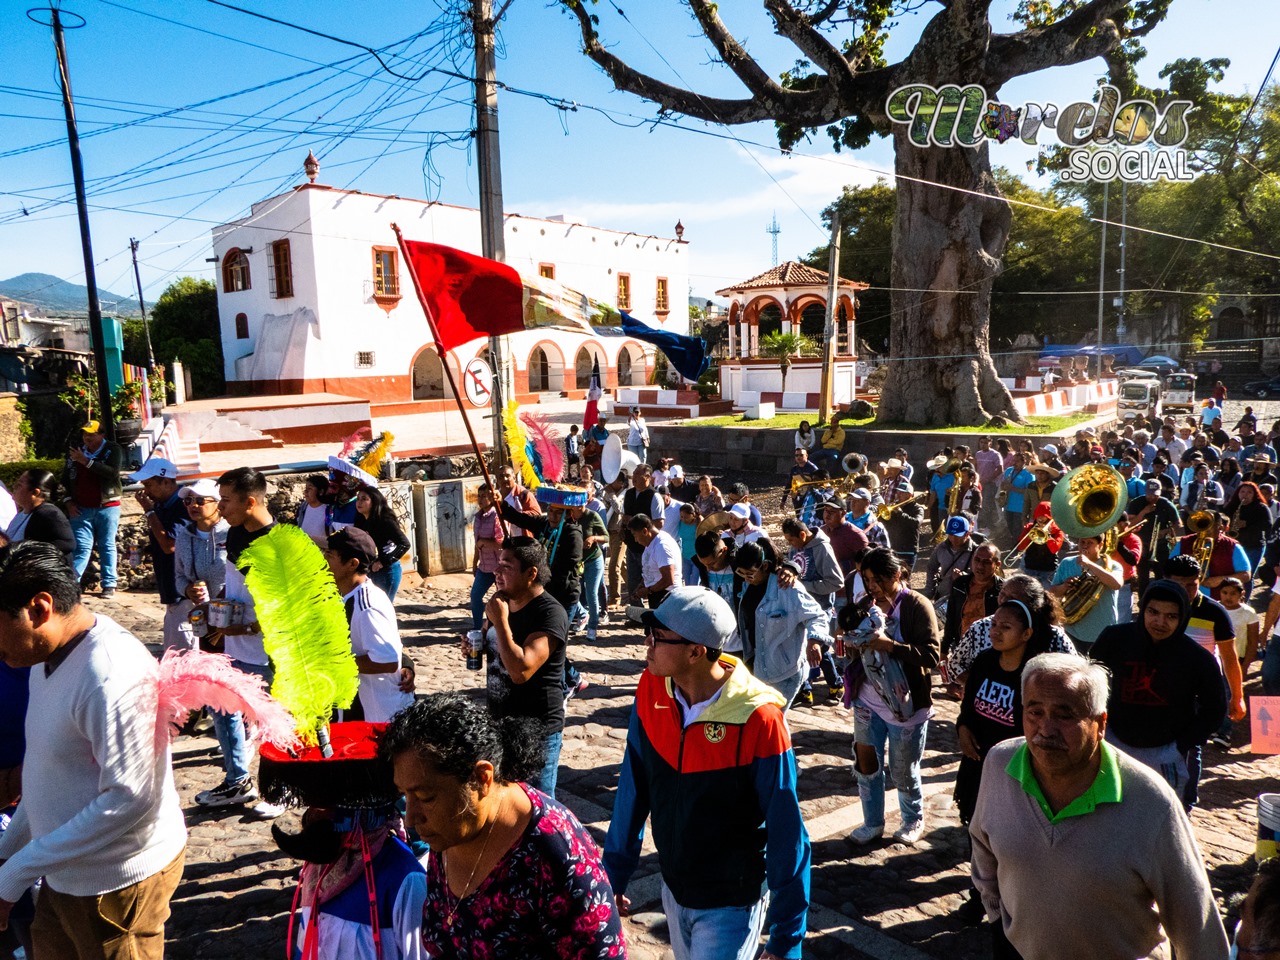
pixel 511 873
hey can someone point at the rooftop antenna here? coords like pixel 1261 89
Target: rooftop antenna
pixel 774 229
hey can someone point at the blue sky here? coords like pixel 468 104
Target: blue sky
pixel 167 180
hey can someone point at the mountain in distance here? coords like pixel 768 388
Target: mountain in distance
pixel 44 294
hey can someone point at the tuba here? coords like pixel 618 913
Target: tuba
pixel 1088 502
pixel 951 507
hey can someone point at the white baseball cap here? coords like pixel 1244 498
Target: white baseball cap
pixel 155 467
pixel 202 489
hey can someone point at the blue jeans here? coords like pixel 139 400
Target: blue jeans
pixel 479 587
pixel 718 933
pixel 1255 561
pixel 826 459
pixel 689 571
pixel 906 746
pixel 640 450
pixel 546 780
pixel 592 578
pixel 1271 668
pixel 96 523
pixel 388 579
pixel 229 729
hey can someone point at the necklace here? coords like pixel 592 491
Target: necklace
pixel 451 910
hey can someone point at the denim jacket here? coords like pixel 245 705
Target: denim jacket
pixel 786 620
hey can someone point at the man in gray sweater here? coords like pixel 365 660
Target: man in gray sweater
pixel 1062 811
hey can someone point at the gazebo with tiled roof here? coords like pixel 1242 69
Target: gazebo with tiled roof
pixel 792 287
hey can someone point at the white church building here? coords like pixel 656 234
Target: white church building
pixel 313 297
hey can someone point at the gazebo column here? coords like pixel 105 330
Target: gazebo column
pixel 848 333
pixel 753 350
pixel 733 338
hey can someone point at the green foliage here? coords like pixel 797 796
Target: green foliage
pixel 10 472
pixel 81 394
pixel 784 346
pixel 25 430
pixel 184 326
pixel 708 384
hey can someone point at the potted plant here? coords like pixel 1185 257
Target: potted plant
pixel 159 387
pixel 126 408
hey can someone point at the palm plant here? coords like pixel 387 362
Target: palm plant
pixel 784 346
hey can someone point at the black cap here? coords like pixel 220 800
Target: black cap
pixel 352 542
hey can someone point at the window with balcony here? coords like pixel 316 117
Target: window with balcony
pixel 235 271
pixel 624 291
pixel 386 274
pixel 662 301
pixel 281 270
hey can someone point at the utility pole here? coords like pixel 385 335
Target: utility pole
pixel 1122 328
pixel 1102 274
pixel 108 377
pixel 829 331
pixel 492 241
pixel 146 327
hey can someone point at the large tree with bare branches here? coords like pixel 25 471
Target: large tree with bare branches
pixel 951 223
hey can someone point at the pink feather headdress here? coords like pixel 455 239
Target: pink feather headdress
pixel 194 679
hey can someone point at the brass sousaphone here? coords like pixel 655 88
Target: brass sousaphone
pixel 1088 502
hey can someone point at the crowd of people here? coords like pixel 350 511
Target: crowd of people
pixel 1092 668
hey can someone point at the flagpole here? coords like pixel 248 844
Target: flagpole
pixel 444 360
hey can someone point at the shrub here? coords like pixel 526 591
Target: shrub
pixel 10 472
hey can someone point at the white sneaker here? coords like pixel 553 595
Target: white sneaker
pixel 228 794
pixel 866 834
pixel 264 811
pixel 909 833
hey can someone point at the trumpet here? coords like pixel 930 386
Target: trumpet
pixel 885 511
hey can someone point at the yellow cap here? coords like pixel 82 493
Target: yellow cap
pixel 91 427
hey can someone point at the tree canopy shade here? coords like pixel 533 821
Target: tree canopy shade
pixel 184 326
pixel 951 225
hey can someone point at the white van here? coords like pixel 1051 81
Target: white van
pixel 1180 393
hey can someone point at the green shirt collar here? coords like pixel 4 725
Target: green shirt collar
pixel 1104 789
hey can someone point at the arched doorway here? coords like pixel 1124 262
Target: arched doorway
pixel 582 365
pixel 428 376
pixel 539 371
pixel 1232 325
pixel 630 366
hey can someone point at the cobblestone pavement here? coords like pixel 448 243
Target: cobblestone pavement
pixel 886 901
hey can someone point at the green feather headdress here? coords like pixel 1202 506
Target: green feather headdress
pixel 304 627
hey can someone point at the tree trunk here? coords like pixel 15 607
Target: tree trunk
pixel 940 371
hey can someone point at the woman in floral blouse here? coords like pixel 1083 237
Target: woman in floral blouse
pixel 511 873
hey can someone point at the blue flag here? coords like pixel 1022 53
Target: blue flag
pixel 687 354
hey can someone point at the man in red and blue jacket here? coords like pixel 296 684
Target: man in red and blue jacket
pixel 709 758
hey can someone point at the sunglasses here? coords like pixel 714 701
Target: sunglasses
pixel 200 501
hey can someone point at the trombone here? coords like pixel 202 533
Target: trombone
pixel 1038 534
pixel 797 484
pixel 885 511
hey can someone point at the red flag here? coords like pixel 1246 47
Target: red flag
pixel 594 393
pixel 465 296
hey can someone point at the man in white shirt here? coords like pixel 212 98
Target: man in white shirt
pixel 375 638
pixel 100 819
pixel 741 527
pixel 661 564
pixel 244 507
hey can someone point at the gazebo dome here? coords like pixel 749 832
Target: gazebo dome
pixel 791 287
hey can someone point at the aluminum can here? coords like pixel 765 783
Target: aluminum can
pixel 219 613
pixel 199 621
pixel 475 649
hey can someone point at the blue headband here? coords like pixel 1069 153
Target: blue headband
pixel 1025 609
